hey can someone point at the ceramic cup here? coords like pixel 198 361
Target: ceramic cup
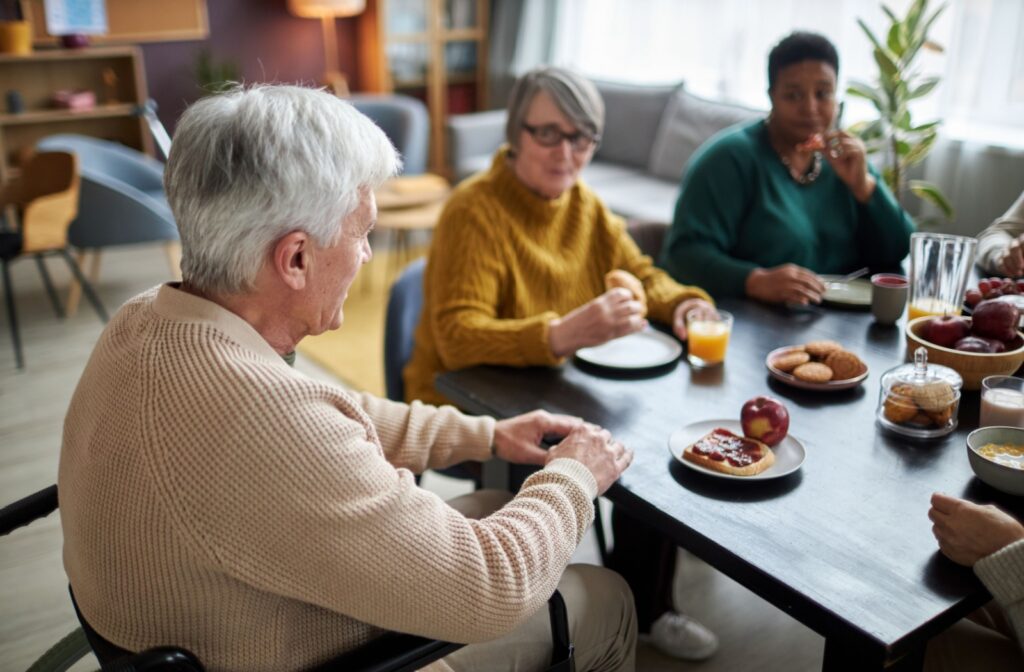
pixel 888 296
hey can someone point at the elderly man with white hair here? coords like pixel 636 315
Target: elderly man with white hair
pixel 212 497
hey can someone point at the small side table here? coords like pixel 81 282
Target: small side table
pixel 407 204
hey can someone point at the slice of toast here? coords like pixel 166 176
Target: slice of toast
pixel 721 450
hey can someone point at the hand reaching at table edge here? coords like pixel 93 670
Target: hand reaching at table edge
pixel 968 532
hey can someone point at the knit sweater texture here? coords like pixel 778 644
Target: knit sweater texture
pixel 739 209
pixel 214 498
pixel 1003 574
pixel 505 262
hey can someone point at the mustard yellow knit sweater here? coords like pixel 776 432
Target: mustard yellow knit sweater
pixel 505 262
pixel 214 498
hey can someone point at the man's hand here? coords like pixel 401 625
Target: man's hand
pixel 788 283
pixel 615 313
pixel 605 458
pixel 699 307
pixel 967 532
pixel 518 439
pixel 1011 261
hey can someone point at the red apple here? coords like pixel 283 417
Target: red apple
pixel 765 419
pixel 979 344
pixel 945 330
pixel 995 319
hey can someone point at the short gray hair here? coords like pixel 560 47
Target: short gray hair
pixel 574 95
pixel 252 164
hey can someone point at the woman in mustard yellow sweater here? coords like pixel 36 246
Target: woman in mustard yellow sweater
pixel 516 278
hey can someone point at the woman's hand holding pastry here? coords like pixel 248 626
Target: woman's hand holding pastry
pixel 699 307
pixel 848 157
pixel 613 314
pixel 788 283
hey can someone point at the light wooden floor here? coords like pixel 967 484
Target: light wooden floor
pixel 34 608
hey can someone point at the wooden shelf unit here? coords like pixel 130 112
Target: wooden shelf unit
pixel 38 75
pixel 413 47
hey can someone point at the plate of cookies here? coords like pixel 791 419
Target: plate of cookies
pixel 819 365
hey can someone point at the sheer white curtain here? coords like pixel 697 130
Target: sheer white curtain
pixel 720 49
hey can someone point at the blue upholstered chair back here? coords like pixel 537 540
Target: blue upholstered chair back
pixel 404 307
pixel 122 196
pixel 405 121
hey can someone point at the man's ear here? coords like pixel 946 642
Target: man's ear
pixel 290 259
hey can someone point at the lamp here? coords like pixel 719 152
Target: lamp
pixel 328 11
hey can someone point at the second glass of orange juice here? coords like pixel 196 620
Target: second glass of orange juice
pixel 707 338
pixel 937 307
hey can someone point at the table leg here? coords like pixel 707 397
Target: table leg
pixel 843 656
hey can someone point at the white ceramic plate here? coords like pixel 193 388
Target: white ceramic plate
pixel 789 454
pixel 790 379
pixel 856 292
pixel 643 350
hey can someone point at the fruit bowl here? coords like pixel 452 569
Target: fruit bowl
pixel 999 476
pixel 972 366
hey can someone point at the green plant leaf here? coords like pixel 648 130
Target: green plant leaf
pixel 919 150
pixel 892 16
pixel 886 64
pixel 914 14
pixel 895 40
pixel 929 192
pixel 925 127
pixel 889 175
pixel 924 88
pixel 862 90
pixel 871 36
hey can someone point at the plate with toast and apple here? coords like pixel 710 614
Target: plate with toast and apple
pixel 756 447
pixel 823 366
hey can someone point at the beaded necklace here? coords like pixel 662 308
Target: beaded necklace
pixel 807 177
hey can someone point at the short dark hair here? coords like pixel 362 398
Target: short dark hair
pixel 797 47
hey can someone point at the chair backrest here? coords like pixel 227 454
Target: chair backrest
pixel 406 123
pixel 404 307
pixel 49 196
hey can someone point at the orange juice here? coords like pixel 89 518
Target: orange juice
pixel 922 307
pixel 707 342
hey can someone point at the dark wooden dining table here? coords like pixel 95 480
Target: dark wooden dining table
pixel 843 544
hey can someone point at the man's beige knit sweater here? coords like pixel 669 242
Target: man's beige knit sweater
pixel 214 498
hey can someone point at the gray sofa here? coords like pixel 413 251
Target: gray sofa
pixel 650 134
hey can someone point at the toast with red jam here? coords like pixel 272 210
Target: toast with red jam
pixel 721 450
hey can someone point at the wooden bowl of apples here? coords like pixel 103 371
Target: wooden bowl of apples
pixel 986 344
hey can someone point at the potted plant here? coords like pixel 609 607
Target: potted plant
pixel 894 133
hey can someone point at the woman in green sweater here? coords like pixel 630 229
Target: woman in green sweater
pixel 766 207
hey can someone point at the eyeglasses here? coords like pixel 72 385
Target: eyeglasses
pixel 549 135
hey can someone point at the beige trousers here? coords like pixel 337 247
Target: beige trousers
pixel 602 620
pixel 983 642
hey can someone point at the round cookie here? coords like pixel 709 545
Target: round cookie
pixel 821 349
pixel 898 406
pixel 813 372
pixel 844 364
pixel 791 359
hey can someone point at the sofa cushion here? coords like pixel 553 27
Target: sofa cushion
pixel 631 192
pixel 631 117
pixel 688 123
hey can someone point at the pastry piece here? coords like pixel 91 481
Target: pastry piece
pixel 626 280
pixel 813 372
pixel 941 418
pixel 899 406
pixel 822 349
pixel 721 450
pixel 791 359
pixel 844 365
pixel 934 397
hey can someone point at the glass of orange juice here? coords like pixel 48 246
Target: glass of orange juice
pixel 940 266
pixel 707 338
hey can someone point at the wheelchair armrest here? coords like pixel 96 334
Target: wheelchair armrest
pixel 28 509
pixel 159 659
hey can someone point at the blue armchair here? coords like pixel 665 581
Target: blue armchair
pixel 122 199
pixel 405 121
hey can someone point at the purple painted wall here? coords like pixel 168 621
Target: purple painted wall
pixel 266 43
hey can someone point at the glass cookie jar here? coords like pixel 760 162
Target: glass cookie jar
pixel 918 399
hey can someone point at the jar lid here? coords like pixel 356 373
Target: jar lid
pixel 919 399
pixel 920 373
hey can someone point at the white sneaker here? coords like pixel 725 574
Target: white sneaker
pixel 680 636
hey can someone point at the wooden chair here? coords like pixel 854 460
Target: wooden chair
pixel 390 652
pixel 45 198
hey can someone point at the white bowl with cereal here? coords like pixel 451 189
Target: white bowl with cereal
pixel 996 455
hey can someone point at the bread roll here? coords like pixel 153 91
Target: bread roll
pixel 626 280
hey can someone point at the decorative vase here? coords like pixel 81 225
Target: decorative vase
pixel 15 37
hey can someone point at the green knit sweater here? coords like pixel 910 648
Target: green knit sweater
pixel 504 262
pixel 739 209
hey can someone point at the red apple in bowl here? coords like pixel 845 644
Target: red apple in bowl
pixel 945 330
pixel 996 319
pixel 765 419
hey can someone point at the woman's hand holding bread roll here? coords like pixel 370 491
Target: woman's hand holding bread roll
pixel 615 313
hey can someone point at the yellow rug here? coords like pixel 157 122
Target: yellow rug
pixel 355 352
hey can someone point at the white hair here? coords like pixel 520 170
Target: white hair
pixel 250 165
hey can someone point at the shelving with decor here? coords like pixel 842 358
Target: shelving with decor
pixel 434 50
pixel 113 74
